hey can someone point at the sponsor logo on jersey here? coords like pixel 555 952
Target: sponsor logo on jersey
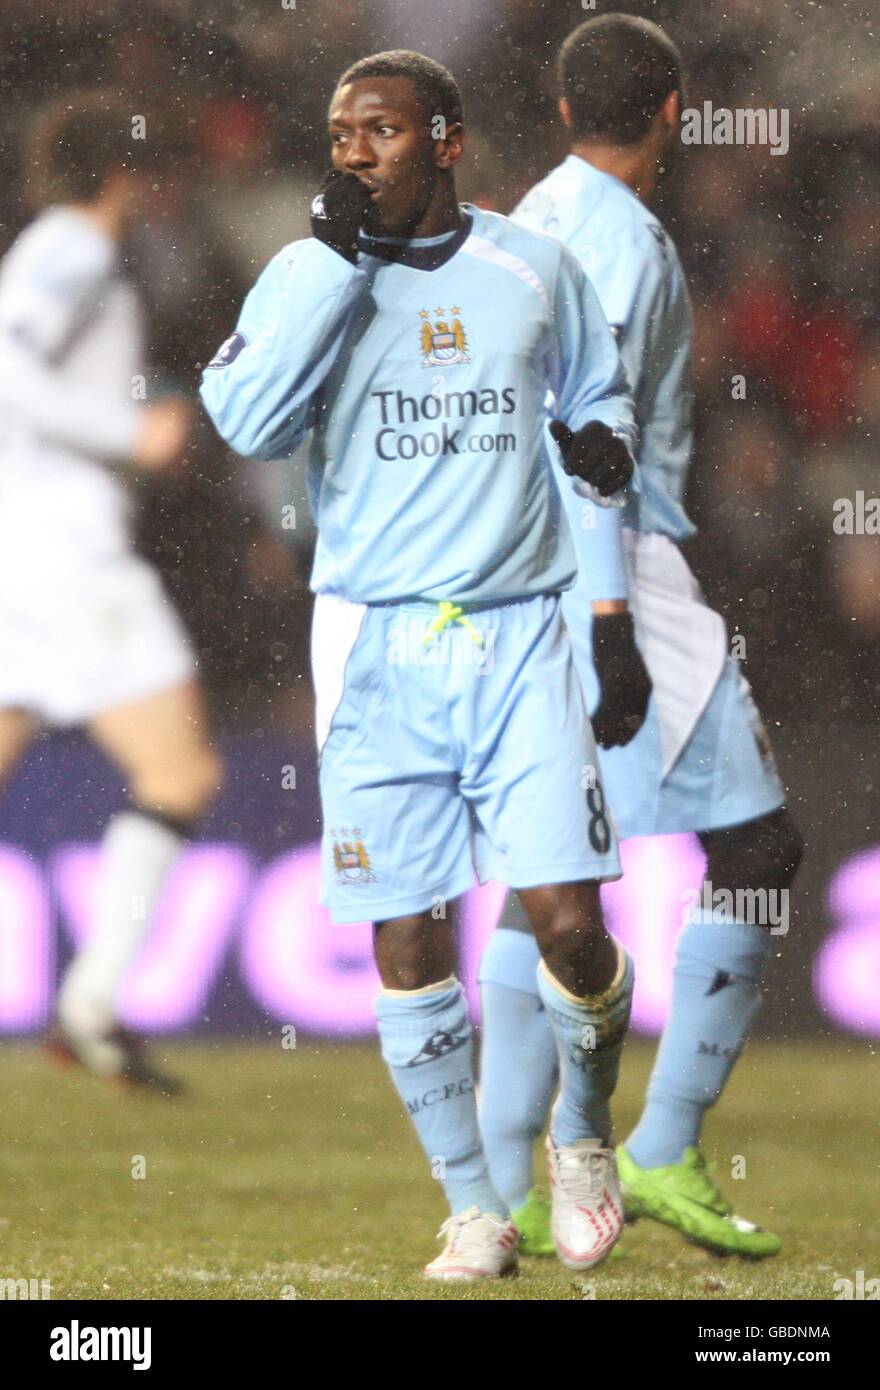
pixel 443 342
pixel 443 406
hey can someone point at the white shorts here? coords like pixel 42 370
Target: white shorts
pixel 92 636
pixel 702 759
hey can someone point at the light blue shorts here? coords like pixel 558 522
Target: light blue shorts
pixel 468 753
pixel 726 773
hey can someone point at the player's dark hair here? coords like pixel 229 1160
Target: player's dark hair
pixel 79 140
pixel 437 91
pixel 616 71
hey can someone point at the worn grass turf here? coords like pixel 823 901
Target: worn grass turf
pixel 292 1173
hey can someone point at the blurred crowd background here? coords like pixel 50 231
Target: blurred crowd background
pixel 783 255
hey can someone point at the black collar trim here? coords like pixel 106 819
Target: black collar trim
pixel 417 257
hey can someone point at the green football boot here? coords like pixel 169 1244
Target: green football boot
pixel 532 1220
pixel 684 1196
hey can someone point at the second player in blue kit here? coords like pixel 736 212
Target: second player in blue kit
pixel 698 758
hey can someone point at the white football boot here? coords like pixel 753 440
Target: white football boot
pixel 587 1211
pixel 477 1247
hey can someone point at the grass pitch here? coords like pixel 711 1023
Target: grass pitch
pixel 294 1174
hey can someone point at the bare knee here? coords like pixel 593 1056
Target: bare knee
pixel 413 952
pixel 570 932
pixel 759 854
pixel 184 790
pixel 564 916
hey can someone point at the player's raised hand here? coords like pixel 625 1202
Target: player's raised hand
pixel 624 683
pixel 337 211
pixel 595 454
pixel 164 432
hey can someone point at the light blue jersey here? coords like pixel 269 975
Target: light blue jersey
pixel 634 268
pixel 451 739
pixel 425 373
pixel 702 759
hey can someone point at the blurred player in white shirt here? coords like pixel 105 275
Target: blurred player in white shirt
pixel 87 635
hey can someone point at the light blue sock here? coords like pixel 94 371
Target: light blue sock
pixel 518 1061
pixel 427 1044
pixel 715 996
pixel 589 1038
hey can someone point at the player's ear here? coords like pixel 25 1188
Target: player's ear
pixel 449 148
pixel 670 111
pixel 565 112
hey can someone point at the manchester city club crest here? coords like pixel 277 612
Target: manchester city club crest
pixel 443 339
pixel 350 858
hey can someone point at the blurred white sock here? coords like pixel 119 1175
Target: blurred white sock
pixel 136 854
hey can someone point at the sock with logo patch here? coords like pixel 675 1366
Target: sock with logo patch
pixel 518 1061
pixel 715 996
pixel 428 1047
pixel 589 1037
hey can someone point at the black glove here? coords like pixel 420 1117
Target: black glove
pixel 624 683
pixel 337 211
pixel 594 454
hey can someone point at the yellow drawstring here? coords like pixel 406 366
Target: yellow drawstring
pixel 451 613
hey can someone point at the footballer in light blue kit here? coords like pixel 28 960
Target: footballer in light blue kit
pixel 700 761
pixel 420 341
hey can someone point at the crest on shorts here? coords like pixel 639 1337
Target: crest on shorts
pixel 350 858
pixel 443 339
